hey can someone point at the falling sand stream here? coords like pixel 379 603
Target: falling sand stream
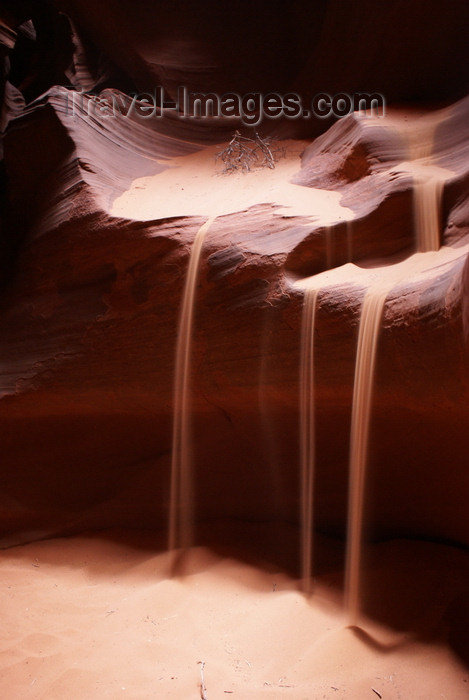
pixel 379 281
pixel 307 442
pixel 428 188
pixel 181 503
pixel 370 321
pixel 307 412
pixel 191 186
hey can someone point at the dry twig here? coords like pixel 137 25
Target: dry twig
pixel 203 689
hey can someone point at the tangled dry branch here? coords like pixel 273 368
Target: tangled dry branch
pixel 244 153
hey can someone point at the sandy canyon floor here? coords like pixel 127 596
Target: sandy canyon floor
pixel 98 616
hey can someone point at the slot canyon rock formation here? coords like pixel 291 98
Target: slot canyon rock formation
pixel 90 299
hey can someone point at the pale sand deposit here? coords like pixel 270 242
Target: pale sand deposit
pixel 195 185
pixel 86 618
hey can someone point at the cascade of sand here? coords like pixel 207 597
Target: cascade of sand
pixel 370 321
pixel 427 212
pixel 307 433
pixel 379 283
pixel 428 189
pixel 181 507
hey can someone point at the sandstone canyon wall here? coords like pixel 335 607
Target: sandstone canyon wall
pixel 90 300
